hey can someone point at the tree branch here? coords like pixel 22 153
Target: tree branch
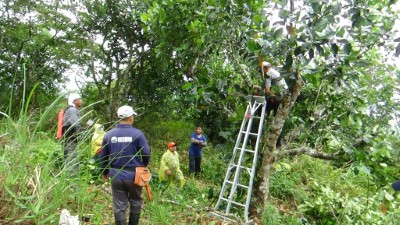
pixel 307 151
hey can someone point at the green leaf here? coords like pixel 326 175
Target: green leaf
pixel 389 197
pixel 316 7
pixel 257 18
pixel 364 169
pixel 359 122
pixel 187 86
pixel 283 2
pixel 253 46
pixel 376 129
pixel 321 25
pixel 356 14
pixel 347 48
pixel 336 9
pixel 289 61
pixel 144 17
pixel 203 80
pixel 286 165
pixel 278 32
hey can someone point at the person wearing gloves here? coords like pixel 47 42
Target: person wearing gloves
pixel 97 140
pixel 169 167
pixel 197 142
pixel 71 128
pixel 123 149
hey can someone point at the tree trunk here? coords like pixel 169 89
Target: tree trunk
pixel 261 185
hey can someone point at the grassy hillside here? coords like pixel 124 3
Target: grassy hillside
pixel 35 188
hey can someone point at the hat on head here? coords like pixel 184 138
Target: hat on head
pixel 171 144
pixel 125 112
pixel 72 97
pixel 266 64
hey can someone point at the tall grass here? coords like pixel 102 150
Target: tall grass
pixel 34 185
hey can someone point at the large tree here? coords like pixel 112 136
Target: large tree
pixel 36 50
pixel 203 57
pixel 331 55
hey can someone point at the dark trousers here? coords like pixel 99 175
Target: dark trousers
pixel 124 192
pixel 273 104
pixel 194 164
pixel 71 159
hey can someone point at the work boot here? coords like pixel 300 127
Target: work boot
pixel 120 222
pixel 134 218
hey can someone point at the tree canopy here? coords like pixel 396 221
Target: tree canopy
pixel 196 61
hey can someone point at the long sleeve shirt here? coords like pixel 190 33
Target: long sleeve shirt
pixel 71 123
pixel 124 148
pixel 195 148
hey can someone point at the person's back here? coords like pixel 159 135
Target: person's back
pixel 71 127
pixel 124 142
pixel 123 149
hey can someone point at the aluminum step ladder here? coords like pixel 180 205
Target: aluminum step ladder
pixel 242 166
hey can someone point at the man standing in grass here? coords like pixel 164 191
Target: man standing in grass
pixel 124 148
pixel 197 142
pixel 70 130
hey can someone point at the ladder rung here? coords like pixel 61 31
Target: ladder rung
pixel 247 150
pixel 236 203
pixel 240 185
pixel 243 132
pixel 259 99
pixel 251 151
pixel 241 167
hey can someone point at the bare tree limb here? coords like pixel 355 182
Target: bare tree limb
pixel 307 151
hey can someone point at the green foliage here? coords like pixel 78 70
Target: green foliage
pixel 322 194
pixel 193 61
pixel 284 183
pixel 159 131
pixel 273 217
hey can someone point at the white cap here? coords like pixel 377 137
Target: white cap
pixel 267 64
pixel 125 112
pixel 72 97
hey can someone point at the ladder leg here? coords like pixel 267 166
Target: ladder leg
pixel 238 160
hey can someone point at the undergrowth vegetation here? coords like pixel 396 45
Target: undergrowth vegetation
pixel 35 186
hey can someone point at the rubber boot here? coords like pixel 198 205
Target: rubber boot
pixel 134 218
pixel 120 218
pixel 120 222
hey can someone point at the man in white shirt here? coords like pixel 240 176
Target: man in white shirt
pixel 275 87
pixel 273 78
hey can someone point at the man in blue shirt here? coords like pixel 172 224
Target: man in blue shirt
pixel 197 142
pixel 124 148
